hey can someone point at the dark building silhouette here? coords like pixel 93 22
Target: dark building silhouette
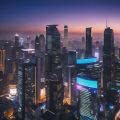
pixel 37 46
pixel 108 58
pixel 53 70
pixel 29 89
pixel 65 35
pixel 52 39
pixel 42 43
pixel 65 31
pixel 88 42
pixel 16 40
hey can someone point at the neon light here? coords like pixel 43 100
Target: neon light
pixel 87 82
pixel 86 61
pixel 79 87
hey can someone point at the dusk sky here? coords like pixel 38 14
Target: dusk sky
pixel 34 15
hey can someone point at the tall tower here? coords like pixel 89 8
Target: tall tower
pixel 29 88
pixel 53 70
pixel 52 39
pixel 2 60
pixel 65 31
pixel 42 43
pixel 16 40
pixel 88 42
pixel 108 58
pixel 40 60
pixel 65 35
pixel 37 46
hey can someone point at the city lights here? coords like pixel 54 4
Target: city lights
pixel 59 60
pixel 86 61
pixel 13 91
pixel 87 82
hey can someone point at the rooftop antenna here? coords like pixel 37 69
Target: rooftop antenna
pixel 106 23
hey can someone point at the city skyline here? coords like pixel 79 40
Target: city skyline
pixel 59 59
pixel 33 16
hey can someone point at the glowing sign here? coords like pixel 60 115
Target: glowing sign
pixel 87 82
pixel 79 87
pixel 86 60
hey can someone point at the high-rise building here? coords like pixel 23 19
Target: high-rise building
pixel 2 60
pixel 16 40
pixel 68 75
pixel 37 46
pixel 65 31
pixel 108 58
pixel 7 45
pixel 87 81
pixel 40 59
pixel 88 42
pixel 53 44
pixel 53 70
pixel 87 97
pixel 65 35
pixel 54 91
pixel 29 88
pixel 42 43
pixel 117 73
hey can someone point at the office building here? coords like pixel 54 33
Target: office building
pixel 87 83
pixel 54 91
pixel 117 73
pixel 108 59
pixel 42 43
pixel 53 69
pixel 2 60
pixel 88 42
pixel 87 97
pixel 53 44
pixel 16 40
pixel 37 46
pixel 65 35
pixel 65 31
pixel 29 88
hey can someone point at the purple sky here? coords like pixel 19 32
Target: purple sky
pixel 34 15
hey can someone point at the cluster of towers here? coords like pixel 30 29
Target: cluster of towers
pixel 50 74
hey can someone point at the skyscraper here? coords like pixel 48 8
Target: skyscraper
pixel 40 59
pixel 29 89
pixel 108 58
pixel 87 81
pixel 52 39
pixel 65 35
pixel 16 40
pixel 2 60
pixel 65 31
pixel 42 43
pixel 53 70
pixel 37 46
pixel 88 42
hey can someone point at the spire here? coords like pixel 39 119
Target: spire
pixel 106 23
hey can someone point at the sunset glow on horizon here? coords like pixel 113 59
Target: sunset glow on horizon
pixel 33 16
